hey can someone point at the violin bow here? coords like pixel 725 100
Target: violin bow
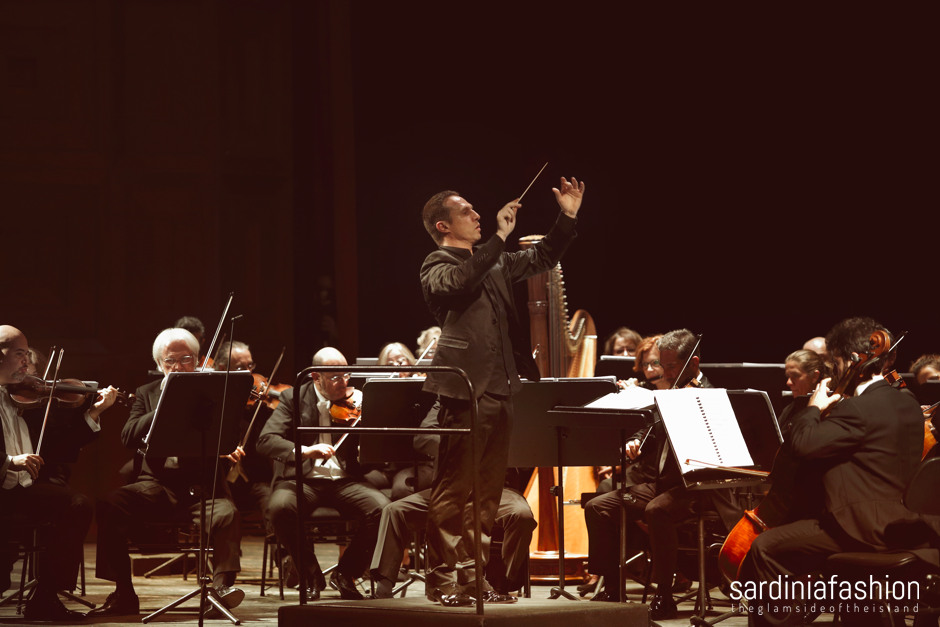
pixel 55 381
pixel 698 340
pixel 237 470
pixel 427 350
pixel 355 421
pixel 533 181
pixel 218 330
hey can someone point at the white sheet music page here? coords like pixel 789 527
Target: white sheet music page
pixel 627 398
pixel 702 426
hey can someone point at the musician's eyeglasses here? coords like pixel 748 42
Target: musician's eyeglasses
pixel 336 377
pixel 250 367
pixel 651 364
pixel 169 362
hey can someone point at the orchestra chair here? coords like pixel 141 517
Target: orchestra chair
pixel 325 525
pixel 900 565
pixel 23 541
pixel 178 540
pixel 700 539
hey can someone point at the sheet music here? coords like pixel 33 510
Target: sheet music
pixel 627 398
pixel 702 426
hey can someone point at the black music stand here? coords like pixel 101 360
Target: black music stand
pixel 757 426
pixel 552 428
pixel 392 403
pixel 189 412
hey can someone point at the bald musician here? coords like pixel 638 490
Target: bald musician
pixel 332 478
pixel 30 494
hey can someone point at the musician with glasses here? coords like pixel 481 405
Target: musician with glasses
pixel 165 489
pixel 332 477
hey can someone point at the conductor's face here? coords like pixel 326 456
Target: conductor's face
pixel 464 225
pixel 177 358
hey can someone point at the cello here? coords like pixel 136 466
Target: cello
pixel 775 507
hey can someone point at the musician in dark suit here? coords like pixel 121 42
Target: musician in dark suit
pixel 868 446
pixel 332 478
pixel 165 489
pixel 34 486
pixel 663 501
pixel 468 289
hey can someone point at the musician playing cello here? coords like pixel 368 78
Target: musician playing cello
pixel 26 491
pixel 468 289
pixel 870 445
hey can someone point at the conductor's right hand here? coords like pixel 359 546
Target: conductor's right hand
pixel 506 218
pixel 28 462
pixel 318 451
pixel 633 449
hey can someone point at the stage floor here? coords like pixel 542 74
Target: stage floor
pixel 159 591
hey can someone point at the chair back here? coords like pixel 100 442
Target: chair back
pixel 922 492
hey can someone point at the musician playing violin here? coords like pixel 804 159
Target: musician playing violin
pixel 654 492
pixel 250 479
pixel 332 478
pixel 868 445
pixel 31 493
pixel 163 490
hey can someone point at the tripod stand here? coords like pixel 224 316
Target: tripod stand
pixel 192 406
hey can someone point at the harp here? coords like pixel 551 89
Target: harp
pixel 567 347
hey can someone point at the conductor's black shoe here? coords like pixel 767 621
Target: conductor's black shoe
pixel 492 596
pixel 449 595
pixel 313 594
pixel 117 605
pixel 662 607
pixel 345 585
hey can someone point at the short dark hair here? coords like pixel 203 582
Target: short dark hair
pixel 436 210
pixel 931 359
pixel 682 341
pixel 853 335
pixel 624 332
pixel 192 324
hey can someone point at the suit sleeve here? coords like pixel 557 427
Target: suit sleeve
pixel 813 437
pixel 273 441
pixel 443 277
pixel 139 421
pixel 545 254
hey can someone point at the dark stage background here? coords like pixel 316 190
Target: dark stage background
pixel 754 176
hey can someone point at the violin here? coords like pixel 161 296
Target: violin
pixel 33 392
pixel 775 507
pixel 262 391
pixel 345 411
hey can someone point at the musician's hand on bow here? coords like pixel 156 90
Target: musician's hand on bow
pixel 820 397
pixel 28 462
pixel 235 456
pixel 318 451
pixel 633 449
pixel 506 218
pixel 569 196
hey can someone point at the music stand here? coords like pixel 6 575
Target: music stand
pixel 392 403
pixel 189 411
pixel 756 425
pixel 551 428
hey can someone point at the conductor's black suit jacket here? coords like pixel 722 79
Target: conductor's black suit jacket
pixel 453 284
